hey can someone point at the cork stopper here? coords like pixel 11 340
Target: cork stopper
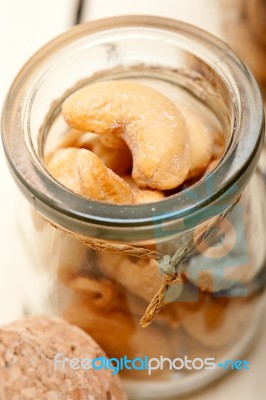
pixel 27 370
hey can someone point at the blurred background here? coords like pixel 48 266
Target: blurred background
pixel 26 25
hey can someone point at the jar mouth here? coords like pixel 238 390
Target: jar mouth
pixel 243 117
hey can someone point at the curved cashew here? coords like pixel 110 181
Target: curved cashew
pixel 99 182
pixel 141 277
pixel 62 166
pixel 118 161
pixel 83 172
pixel 201 143
pixel 113 142
pixel 101 292
pixel 143 196
pixel 150 124
pixel 211 167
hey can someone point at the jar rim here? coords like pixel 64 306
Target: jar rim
pixel 85 216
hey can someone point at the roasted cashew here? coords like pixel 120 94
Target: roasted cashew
pixel 139 276
pixel 101 292
pixel 151 125
pixel 63 167
pixel 110 296
pixel 100 183
pixel 118 161
pixel 118 158
pixel 201 143
pixel 83 172
pixel 211 167
pixel 143 195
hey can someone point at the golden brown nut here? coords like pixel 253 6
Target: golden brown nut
pixel 219 145
pixel 83 172
pixel 63 167
pixel 142 278
pixel 201 143
pixel 150 124
pixel 113 142
pixel 139 276
pixel 143 195
pixel 148 196
pixel 211 167
pixel 219 275
pixel 117 159
pixel 102 293
pixel 108 295
pixel 27 351
pixel 100 183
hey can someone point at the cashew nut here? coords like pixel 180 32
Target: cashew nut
pixel 151 125
pixel 201 143
pixel 139 276
pixel 62 166
pixel 99 182
pixel 117 159
pixel 83 172
pixel 143 195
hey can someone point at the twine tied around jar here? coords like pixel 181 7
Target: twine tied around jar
pixel 172 267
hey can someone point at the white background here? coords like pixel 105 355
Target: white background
pixel 25 25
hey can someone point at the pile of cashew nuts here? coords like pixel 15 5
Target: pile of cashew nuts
pixel 129 144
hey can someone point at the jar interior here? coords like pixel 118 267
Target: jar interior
pixel 169 66
pixel 53 132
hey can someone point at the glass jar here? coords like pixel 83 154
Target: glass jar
pixel 102 264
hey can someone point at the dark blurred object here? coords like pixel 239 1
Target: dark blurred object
pixel 79 12
pixel 244 26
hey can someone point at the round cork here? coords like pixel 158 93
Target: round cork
pixel 27 363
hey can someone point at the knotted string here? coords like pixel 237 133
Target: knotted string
pixel 173 267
